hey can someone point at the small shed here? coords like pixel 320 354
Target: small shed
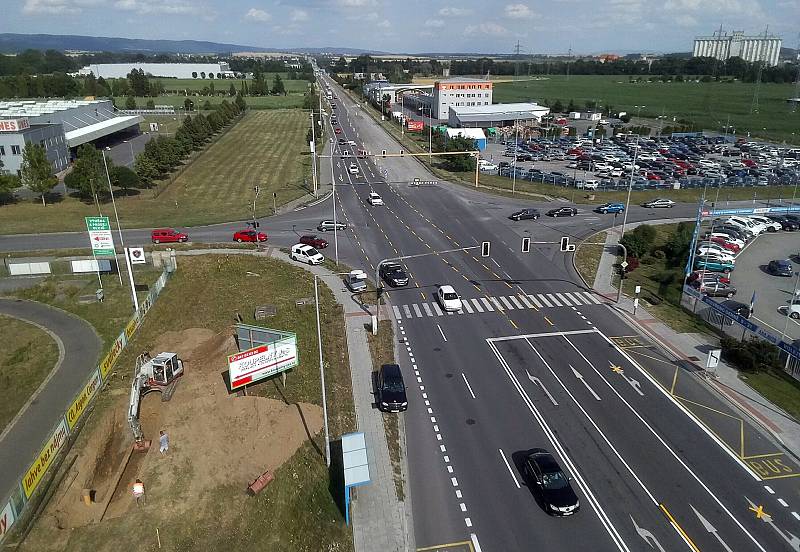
pixel 475 134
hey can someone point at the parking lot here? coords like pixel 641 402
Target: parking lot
pixel 660 163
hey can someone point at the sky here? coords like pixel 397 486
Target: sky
pixel 411 26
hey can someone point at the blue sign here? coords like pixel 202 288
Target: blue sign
pixel 756 211
pixel 791 349
pixel 722 309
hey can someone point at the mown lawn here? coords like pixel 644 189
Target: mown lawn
pixel 290 101
pixel 264 148
pixel 194 85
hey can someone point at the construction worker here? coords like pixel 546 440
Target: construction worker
pixel 138 492
pixel 163 442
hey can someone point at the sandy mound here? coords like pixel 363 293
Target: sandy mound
pixel 215 438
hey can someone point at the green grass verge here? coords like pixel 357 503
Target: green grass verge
pixel 264 148
pixel 223 85
pixel 779 388
pixel 381 347
pixel 27 356
pixel 297 511
pixel 707 104
pixel 290 101
pixel 587 256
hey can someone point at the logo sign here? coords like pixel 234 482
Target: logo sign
pixel 14 125
pixel 136 255
pixel 46 456
pixel 100 236
pixel 153 127
pixel 6 519
pixel 262 362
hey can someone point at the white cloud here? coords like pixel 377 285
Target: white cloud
pixel 32 7
pixel 454 12
pixel 356 3
pixel 519 11
pixel 254 14
pixel 157 6
pixel 486 29
pixel 434 23
pixel 385 24
pixel 298 15
pixel 685 20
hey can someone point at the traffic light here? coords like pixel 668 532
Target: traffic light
pixel 565 245
pixel 383 154
pixel 402 153
pixel 485 246
pixel 379 293
pixel 526 245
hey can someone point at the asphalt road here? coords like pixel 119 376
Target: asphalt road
pixel 532 363
pixel 80 347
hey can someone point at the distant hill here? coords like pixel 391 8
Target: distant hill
pixel 11 43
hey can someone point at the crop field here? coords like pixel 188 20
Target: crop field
pixel 263 148
pixel 222 85
pixel 708 105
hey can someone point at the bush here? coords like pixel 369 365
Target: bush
pixel 752 355
pixel 659 254
pixel 639 241
pixel 633 264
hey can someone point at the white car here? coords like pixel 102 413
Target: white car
pixel 591 184
pixel 375 199
pixel 659 203
pixel 306 254
pixel 346 153
pixel 448 298
pixel 728 238
pixel 351 143
pixel 353 168
pixel 488 167
pixel 792 309
pixel 771 225
pixel 716 251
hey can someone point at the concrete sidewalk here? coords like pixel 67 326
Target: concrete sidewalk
pixel 775 421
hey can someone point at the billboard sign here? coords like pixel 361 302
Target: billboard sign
pixel 100 236
pixel 415 125
pixel 83 399
pixel 6 519
pixel 46 456
pixel 14 125
pixel 262 362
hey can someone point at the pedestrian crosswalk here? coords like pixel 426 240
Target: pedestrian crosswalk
pixel 519 301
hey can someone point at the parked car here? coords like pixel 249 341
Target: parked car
pixel 716 289
pixel 786 223
pixel 356 280
pixel 546 479
pixel 314 241
pixel 525 214
pixel 714 265
pixel 708 277
pixel 659 203
pixel 562 212
pixel 306 254
pixel 738 308
pixel 611 208
pixel 712 250
pixel 726 243
pixel 448 298
pixel 391 392
pixel 327 225
pixel 792 309
pixel 772 226
pixel 249 235
pixel 394 274
pixel 780 267
pixel 168 235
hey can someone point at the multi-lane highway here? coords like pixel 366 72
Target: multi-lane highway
pixel 534 360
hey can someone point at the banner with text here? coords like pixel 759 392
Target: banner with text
pixel 262 362
pixel 100 236
pixel 6 519
pixel 79 405
pixel 48 453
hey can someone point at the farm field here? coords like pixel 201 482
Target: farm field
pixel 708 105
pixel 263 148
pixel 222 85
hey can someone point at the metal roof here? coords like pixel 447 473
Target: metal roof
pixel 98 130
pixel 32 108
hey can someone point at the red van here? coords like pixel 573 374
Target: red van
pixel 168 235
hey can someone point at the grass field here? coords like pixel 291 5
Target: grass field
pixel 779 388
pixel 27 356
pixel 292 101
pixel 708 105
pixel 263 148
pixel 194 85
pixel 296 512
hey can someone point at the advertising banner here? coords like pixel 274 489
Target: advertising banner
pixel 415 125
pixel 131 327
pixel 14 125
pixel 6 519
pixel 48 453
pixel 262 362
pixel 83 399
pixel 136 255
pixel 100 236
pixel 111 357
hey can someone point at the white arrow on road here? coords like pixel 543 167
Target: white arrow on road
pixel 584 382
pixel 538 382
pixel 632 382
pixel 793 541
pixel 648 537
pixel 711 529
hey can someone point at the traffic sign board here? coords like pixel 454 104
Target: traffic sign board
pixel 100 237
pixel 623 264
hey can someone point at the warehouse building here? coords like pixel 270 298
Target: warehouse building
pixel 219 70
pixel 495 115
pixel 750 48
pixel 460 92
pixel 58 125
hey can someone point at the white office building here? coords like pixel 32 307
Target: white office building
pixel 201 71
pixel 750 48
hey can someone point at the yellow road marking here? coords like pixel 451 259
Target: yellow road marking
pixel 679 528
pixel 448 545
pixel 548 321
pixel 771 455
pixel 759 511
pixel 513 324
pixel 674 380
pixel 423 295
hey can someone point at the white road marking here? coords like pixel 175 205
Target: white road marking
pixel 458 494
pixel 477 304
pixel 467 306
pixel 496 263
pixel 514 477
pixel 592 298
pixel 508 305
pixel 584 382
pixel 515 301
pixel 553 300
pixel 454 481
pixel 469 387
pixel 397 313
pixel 463 507
pixel 427 309
pixel 417 311
pixel 407 311
pixel 564 299
pixel 441 332
pixel 525 301
pixel 436 309
pixel 796 516
pixel 496 303
pixel 535 301
pixel 487 304
pixel 468 522
pixel 783 503
pixel 769 489
pixel 475 544
pixel 543 299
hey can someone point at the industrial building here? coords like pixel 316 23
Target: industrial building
pixel 475 134
pixel 460 92
pixel 495 115
pixel 219 70
pixel 750 48
pixel 58 125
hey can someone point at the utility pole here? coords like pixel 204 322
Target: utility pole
pixel 760 61
pixel 322 377
pixel 569 58
pixel 516 60
pixel 797 79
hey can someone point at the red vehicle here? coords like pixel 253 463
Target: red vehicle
pixel 732 247
pixel 652 176
pixel 337 130
pixel 314 241
pixel 749 163
pixel 168 235
pixel 249 236
pixel 694 276
pixel 575 151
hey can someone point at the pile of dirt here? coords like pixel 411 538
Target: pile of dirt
pixel 215 438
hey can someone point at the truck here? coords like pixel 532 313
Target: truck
pixel 151 374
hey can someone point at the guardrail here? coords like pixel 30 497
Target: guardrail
pixel 66 428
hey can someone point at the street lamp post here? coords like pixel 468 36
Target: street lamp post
pixel 516 145
pixel 322 377
pixel 639 110
pixel 333 194
pixel 314 152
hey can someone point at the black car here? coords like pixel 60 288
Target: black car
pixel 786 223
pixel 525 214
pixel 562 212
pixel 394 275
pixel 391 389
pixel 550 483
pixel 780 267
pixel 715 289
pixel 738 308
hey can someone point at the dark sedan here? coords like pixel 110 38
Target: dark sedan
pixel 546 478
pixel 562 212
pixel 715 289
pixel 780 267
pixel 786 223
pixel 393 274
pixel 525 214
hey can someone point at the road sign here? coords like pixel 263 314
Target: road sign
pixel 624 264
pixel 136 255
pixel 485 246
pixel 713 358
pixel 100 236
pixel 526 245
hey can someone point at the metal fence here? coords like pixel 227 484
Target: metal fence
pixel 59 439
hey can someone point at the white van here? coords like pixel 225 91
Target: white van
pixel 306 254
